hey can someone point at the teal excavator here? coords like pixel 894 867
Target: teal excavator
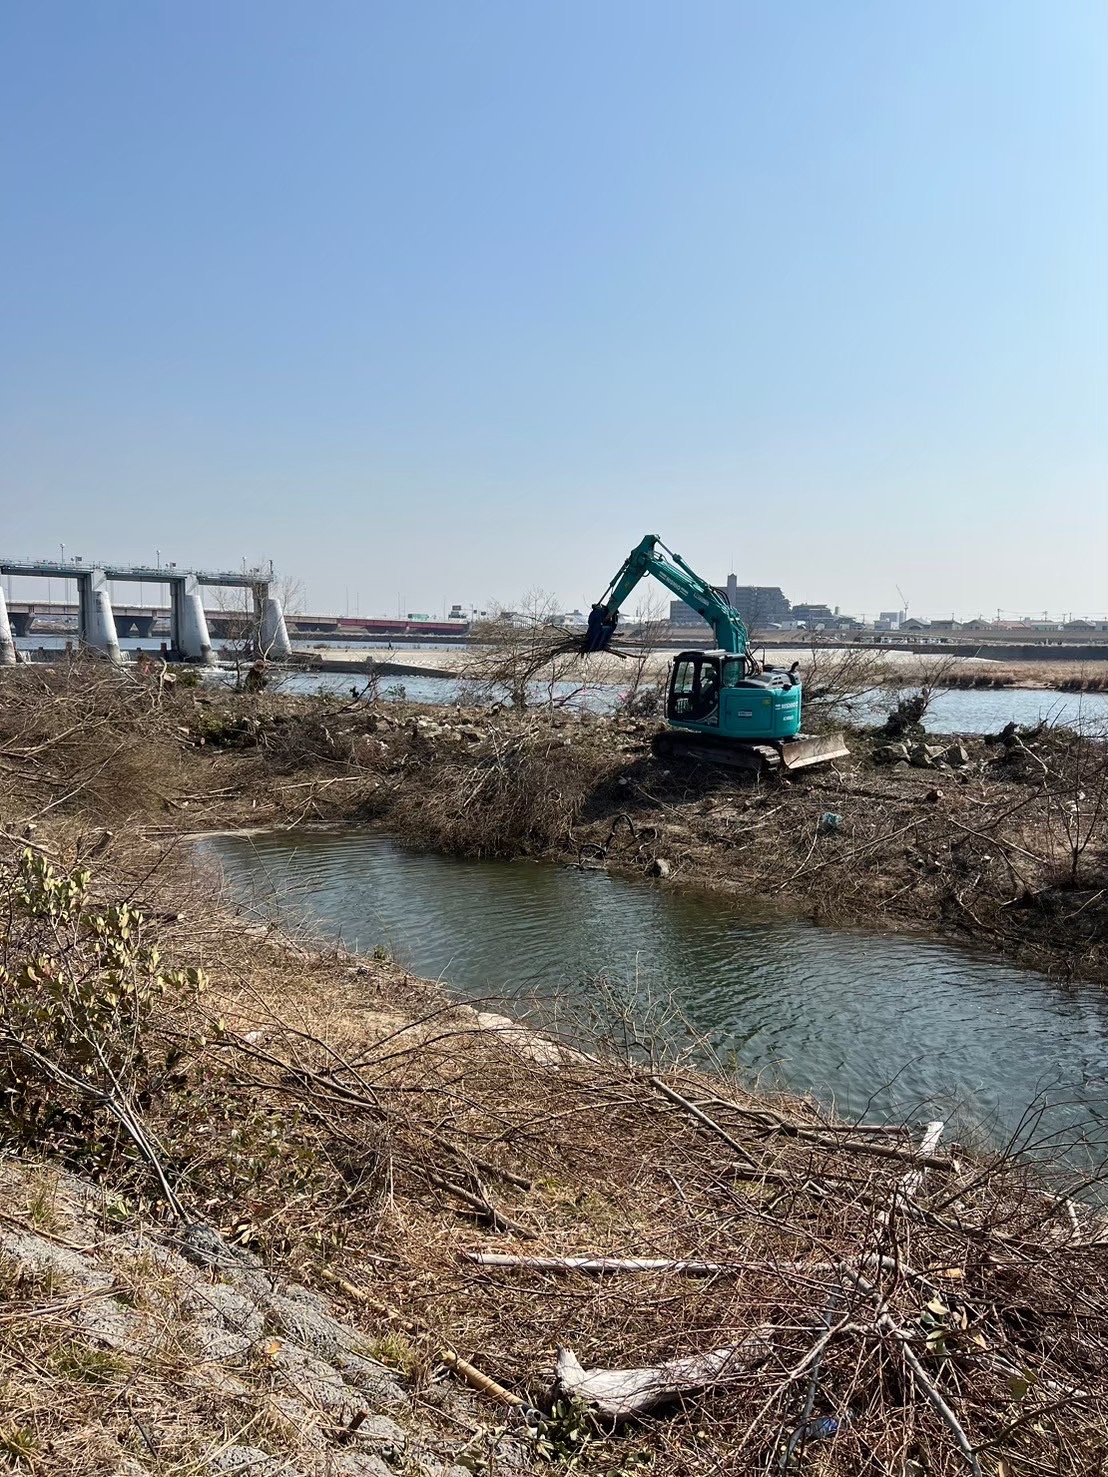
pixel 723 705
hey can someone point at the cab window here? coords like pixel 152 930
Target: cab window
pixel 684 689
pixel 707 700
pixel 732 671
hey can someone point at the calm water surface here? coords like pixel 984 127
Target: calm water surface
pixel 953 711
pixel 873 1023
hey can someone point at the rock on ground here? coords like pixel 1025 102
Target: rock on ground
pixel 271 1354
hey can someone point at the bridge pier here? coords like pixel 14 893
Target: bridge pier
pixel 276 645
pixel 188 626
pixel 95 622
pixel 7 645
pixel 263 628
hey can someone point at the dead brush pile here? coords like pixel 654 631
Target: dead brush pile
pixel 1011 846
pixel 82 737
pixel 519 792
pixel 789 1293
pixel 1004 842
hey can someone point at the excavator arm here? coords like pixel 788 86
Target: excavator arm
pixel 651 556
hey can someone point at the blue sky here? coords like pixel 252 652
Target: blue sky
pixel 452 300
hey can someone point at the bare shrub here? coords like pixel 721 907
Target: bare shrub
pixel 841 685
pixel 907 705
pixel 1082 799
pixel 521 793
pixel 524 656
pixel 643 693
pixel 243 650
pixel 81 736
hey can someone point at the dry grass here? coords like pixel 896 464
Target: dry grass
pixel 350 1124
pixel 449 1138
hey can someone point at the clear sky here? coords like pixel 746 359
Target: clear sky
pixel 427 299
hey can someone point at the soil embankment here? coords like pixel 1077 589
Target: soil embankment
pixel 282 1209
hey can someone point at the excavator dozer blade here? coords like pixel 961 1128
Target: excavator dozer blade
pixel 755 759
pixel 806 749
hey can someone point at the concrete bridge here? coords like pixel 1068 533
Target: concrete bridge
pixel 26 617
pixel 189 636
pixel 144 621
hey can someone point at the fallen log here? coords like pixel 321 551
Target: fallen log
pixel 620 1394
pixel 599 1264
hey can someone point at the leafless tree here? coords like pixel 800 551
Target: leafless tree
pixel 243 647
pixel 646 630
pixel 1077 787
pixel 526 655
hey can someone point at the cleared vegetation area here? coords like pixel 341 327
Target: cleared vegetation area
pixel 998 840
pixel 270 1206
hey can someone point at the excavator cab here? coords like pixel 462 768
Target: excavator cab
pixel 729 696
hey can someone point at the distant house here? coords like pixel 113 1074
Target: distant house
pixel 915 624
pixel 1080 625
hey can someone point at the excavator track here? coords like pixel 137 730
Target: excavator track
pixel 784 755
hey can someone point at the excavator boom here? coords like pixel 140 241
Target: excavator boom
pixel 651 556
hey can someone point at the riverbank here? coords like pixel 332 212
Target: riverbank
pixel 1001 844
pixel 886 669
pixel 277 1201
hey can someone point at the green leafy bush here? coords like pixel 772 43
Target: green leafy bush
pixel 80 980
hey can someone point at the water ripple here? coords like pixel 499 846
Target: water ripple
pixel 871 1022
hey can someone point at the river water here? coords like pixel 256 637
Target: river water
pixel 872 1024
pixel 953 710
